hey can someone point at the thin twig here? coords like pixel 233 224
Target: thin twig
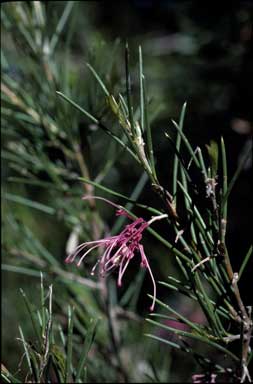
pixel 46 345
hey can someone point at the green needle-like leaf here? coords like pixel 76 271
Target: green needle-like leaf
pixel 245 261
pixel 80 109
pixel 98 79
pixel 96 121
pixel 62 22
pixel 27 355
pixel 178 143
pixel 141 88
pixel 68 370
pixel 22 270
pixel 213 155
pixel 87 345
pixel 160 339
pixel 192 325
pixel 149 135
pixel 236 175
pixel 120 195
pixel 128 89
pixel 224 186
pixel 29 203
pixel 196 337
pixel 31 312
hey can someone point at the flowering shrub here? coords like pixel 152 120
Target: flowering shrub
pixel 120 249
pixel 87 326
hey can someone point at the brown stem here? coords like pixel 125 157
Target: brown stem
pixel 88 188
pixel 244 318
pixel 246 337
pixel 233 280
pixel 168 199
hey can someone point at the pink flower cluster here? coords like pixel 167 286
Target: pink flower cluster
pixel 118 250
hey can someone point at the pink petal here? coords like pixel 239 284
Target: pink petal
pixel 144 262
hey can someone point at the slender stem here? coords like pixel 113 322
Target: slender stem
pixel 235 177
pixel 47 339
pixel 198 218
pixel 149 136
pixel 128 88
pixel 69 345
pixel 245 338
pixel 206 305
pixel 187 203
pixel 196 337
pixel 224 191
pixel 114 334
pixel 233 280
pixel 141 88
pixel 202 163
pixel 245 261
pixel 89 189
pixel 187 144
pixel 176 161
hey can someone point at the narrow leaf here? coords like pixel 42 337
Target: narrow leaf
pixel 32 316
pixel 29 203
pixel 236 175
pixel 245 261
pixel 187 144
pixel 61 23
pixel 87 345
pixel 178 143
pixel 212 149
pixel 80 109
pixel 196 337
pixel 68 370
pixel 26 350
pixel 98 79
pixel 120 195
pixel 128 88
pixel 141 88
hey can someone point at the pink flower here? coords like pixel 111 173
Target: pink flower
pixel 120 249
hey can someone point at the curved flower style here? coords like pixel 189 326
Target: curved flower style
pixel 119 249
